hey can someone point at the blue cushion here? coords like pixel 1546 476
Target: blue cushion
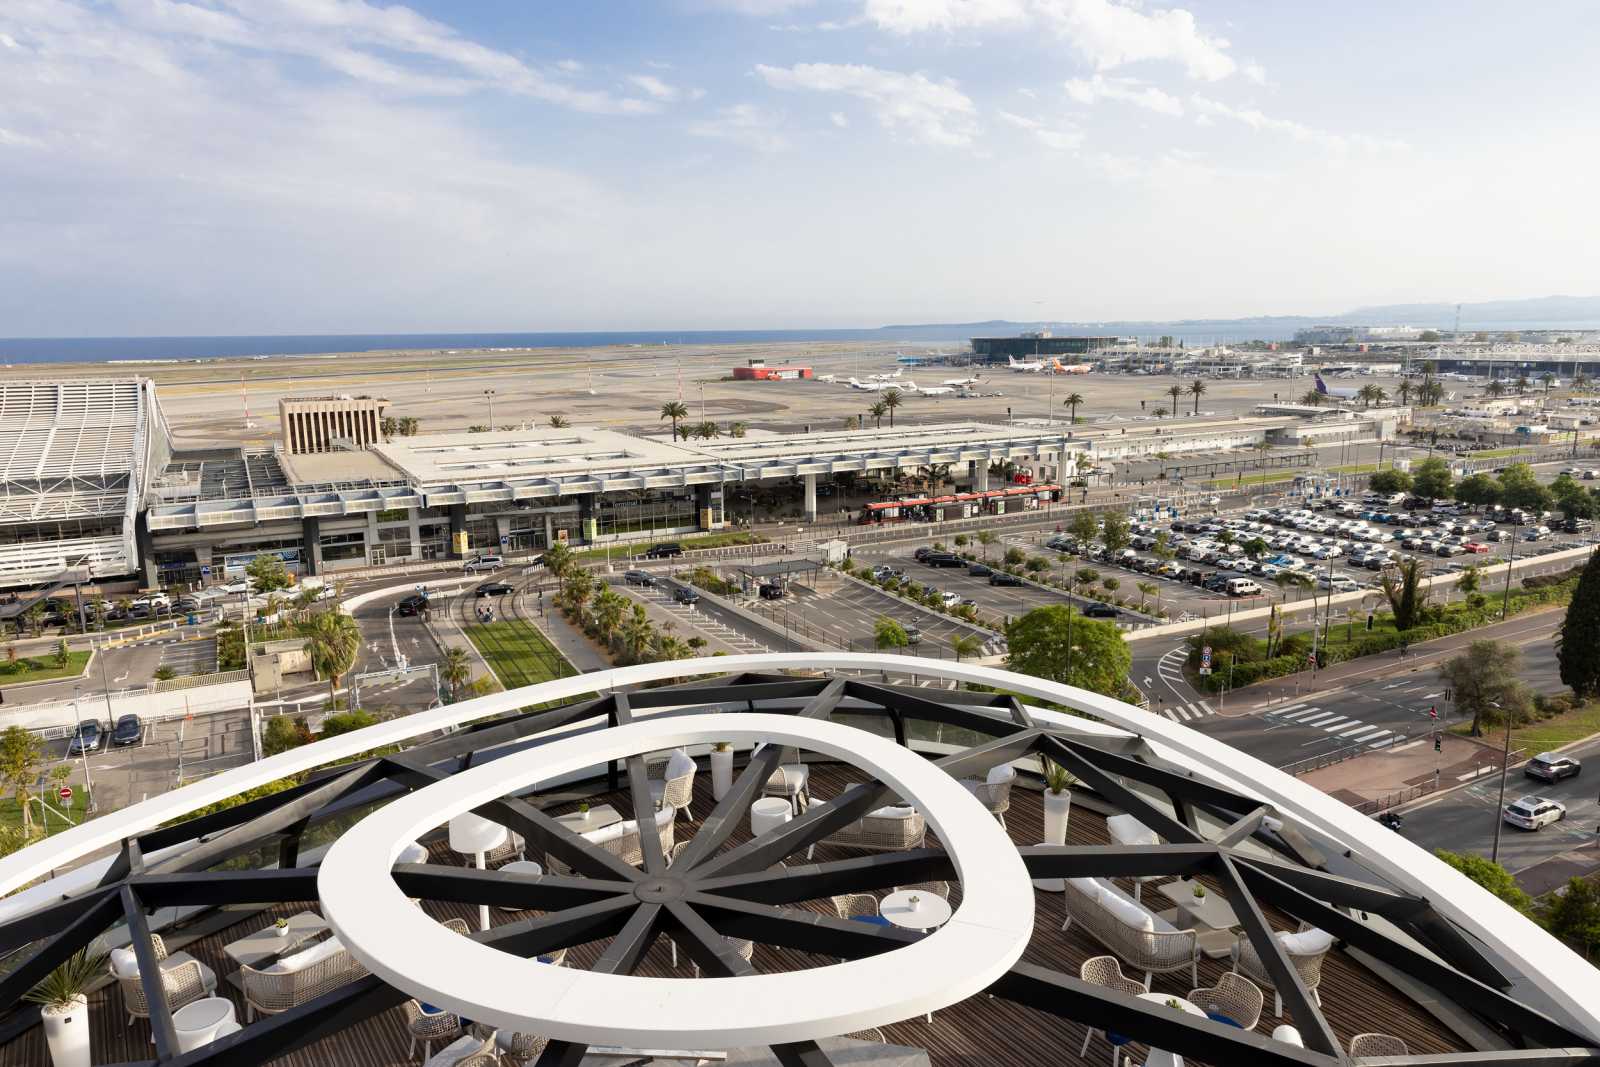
pixel 1116 1038
pixel 547 959
pixel 1218 1017
pixel 875 920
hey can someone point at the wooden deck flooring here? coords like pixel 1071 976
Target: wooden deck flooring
pixel 978 1031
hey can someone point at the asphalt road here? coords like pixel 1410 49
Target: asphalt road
pixel 844 614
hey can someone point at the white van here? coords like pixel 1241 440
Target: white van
pixel 1242 587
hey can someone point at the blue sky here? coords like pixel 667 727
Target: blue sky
pixel 267 166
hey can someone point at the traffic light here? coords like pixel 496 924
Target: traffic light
pixel 1436 745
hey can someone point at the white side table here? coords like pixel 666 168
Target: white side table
pixel 1050 885
pixel 198 1021
pixel 915 909
pixel 769 813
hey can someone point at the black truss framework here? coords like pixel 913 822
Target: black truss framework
pixel 712 893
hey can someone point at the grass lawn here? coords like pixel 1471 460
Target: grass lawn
pixel 1356 468
pixel 11 816
pixel 517 653
pixel 1499 453
pixel 42 668
pixel 1254 479
pixel 1553 732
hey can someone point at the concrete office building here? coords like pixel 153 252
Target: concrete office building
pixel 325 423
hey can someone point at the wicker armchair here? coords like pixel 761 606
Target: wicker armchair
pixel 520 1049
pixel 1142 939
pixel 1306 949
pixel 469 1049
pixel 275 989
pixel 994 792
pixel 938 889
pixel 513 849
pixel 892 829
pixel 1363 1045
pixel 183 978
pixel 675 789
pixel 429 1027
pixel 480 1059
pixel 792 782
pixel 1107 972
pixel 856 906
pixel 873 1035
pixel 1234 997
pixel 622 840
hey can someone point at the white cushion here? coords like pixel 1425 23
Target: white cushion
pixel 1002 772
pixel 790 776
pixel 1307 942
pixel 680 764
pixel 299 961
pixel 610 833
pixel 893 811
pixel 1288 1035
pixel 1127 912
pixel 1127 830
pixel 124 964
pixel 412 853
pixel 1089 887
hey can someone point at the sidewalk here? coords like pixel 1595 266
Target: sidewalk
pixel 570 641
pixel 1392 776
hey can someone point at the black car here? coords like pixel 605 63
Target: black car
pixel 685 595
pixel 1002 578
pixel 414 604
pixel 1101 611
pixel 1392 820
pixel 639 578
pixel 492 589
pixel 979 570
pixel 665 550
pixel 129 731
pixel 773 592
pixel 86 738
pixel 944 559
pixel 921 554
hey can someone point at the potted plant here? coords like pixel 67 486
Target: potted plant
pixel 583 810
pixel 1199 892
pixel 721 769
pixel 281 927
pixel 63 996
pixel 1057 801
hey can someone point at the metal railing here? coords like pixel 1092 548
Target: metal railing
pixel 1339 755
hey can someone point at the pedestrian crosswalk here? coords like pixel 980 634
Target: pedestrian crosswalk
pixel 1198 709
pixel 1343 728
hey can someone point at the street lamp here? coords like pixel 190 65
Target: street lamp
pixel 488 394
pixel 1500 810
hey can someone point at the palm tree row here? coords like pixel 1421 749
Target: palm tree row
pixel 677 411
pixel 611 618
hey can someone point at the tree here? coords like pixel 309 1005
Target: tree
pixel 1403 589
pixel 559 422
pixel 1431 479
pixel 345 723
pixel 1469 582
pixel 1574 915
pixel 456 670
pixel 1520 488
pixel 1176 392
pixel 1478 490
pixel 986 538
pixel 332 639
pixel 20 755
pixel 283 733
pixel 1071 402
pixel 1111 584
pixel 479 427
pixel 1014 557
pixel 1147 590
pixel 1404 389
pixel 966 645
pixel 886 633
pixel 1311 398
pixel 738 429
pixel 1162 549
pixel 674 410
pixel 1496 388
pixel 1483 676
pixel 637 634
pixel 878 410
pixel 1083 528
pixel 1491 876
pixel 1197 389
pixel 1574 500
pixel 1255 548
pixel 267 573
pixel 1114 534
pixel 164 673
pixel 1428 336
pixel 892 399
pixel 1058 644
pixel 1390 481
pixel 389 427
pixel 1159 413
pixel 1365 394
pixel 1578 640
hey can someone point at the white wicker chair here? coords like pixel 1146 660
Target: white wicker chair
pixel 184 978
pixel 897 828
pixel 1143 940
pixel 994 792
pixel 791 781
pixel 676 788
pixel 1306 949
pixel 855 905
pixel 1107 972
pixel 290 983
pixel 428 1027
pixel 518 1049
pixel 622 840
pixel 1373 1045
pixel 1234 996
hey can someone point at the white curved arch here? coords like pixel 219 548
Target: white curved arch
pixel 1562 974
pixel 410 951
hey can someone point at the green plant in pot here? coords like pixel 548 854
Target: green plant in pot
pixel 63 997
pixel 1199 891
pixel 1057 801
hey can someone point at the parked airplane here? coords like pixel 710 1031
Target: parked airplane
pixel 1033 366
pixel 958 382
pixel 871 387
pixel 830 379
pixel 1057 367
pixel 898 373
pixel 1337 394
pixel 934 390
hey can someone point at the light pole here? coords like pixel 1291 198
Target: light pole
pixel 1500 810
pixel 83 749
pixel 488 394
pixel 1505 599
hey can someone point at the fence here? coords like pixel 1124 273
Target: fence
pixel 1394 800
pixel 1339 755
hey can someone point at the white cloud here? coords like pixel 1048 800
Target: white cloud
pixel 839 119
pixel 1207 108
pixel 1254 72
pixel 913 105
pixel 1106 33
pixel 1125 90
pixel 1055 138
pixel 743 124
pixel 657 89
pixel 571 66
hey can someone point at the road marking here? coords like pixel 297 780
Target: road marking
pixel 1384 742
pixel 1431 696
pixel 1208 708
pixel 1287 707
pixel 1335 724
pixel 1322 717
pixel 1360 727
pixel 1182 712
pixel 1408 744
pixel 1304 714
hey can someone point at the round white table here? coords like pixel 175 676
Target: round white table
pixel 198 1021
pixel 929 912
pixel 528 867
pixel 769 813
pixel 1050 885
pixel 1161 1057
pixel 473 835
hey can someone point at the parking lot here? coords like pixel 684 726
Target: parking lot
pixel 170 753
pixel 197 656
pixel 845 614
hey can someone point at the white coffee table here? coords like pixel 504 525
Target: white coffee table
pixel 1211 917
pixel 596 818
pixel 197 1022
pixel 266 943
pixel 522 867
pixel 769 813
pixel 930 911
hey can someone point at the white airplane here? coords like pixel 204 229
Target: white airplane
pixel 1057 367
pixel 1335 394
pixel 830 379
pixel 898 373
pixel 959 382
pixel 1033 366
pixel 933 390
pixel 871 387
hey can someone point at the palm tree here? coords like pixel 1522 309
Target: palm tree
pixel 389 426
pixel 1311 398
pixel 637 633
pixel 1380 395
pixel 737 429
pixel 1146 590
pixel 333 639
pixel 1197 389
pixel 1522 383
pixel 1496 387
pixel 1364 394
pixel 1404 389
pixel 559 422
pixel 1159 413
pixel 1548 379
pixel 1072 401
pixel 609 607
pixel 937 474
pixel 457 670
pixel 892 398
pixel 674 410
pixel 1176 392
pixel 966 645
pixel 878 410
pixel 706 430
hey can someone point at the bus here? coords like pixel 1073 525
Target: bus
pixel 1007 501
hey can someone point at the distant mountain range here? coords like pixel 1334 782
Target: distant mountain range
pixel 1555 311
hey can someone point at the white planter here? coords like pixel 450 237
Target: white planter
pixel 67 1033
pixel 1057 806
pixel 721 772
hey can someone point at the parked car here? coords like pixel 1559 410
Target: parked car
pixel 411 605
pixel 638 578
pixel 128 731
pixel 86 738
pixel 483 564
pixel 921 554
pixel 685 594
pixel 979 570
pixel 1101 611
pixel 773 592
pixel 1530 813
pixel 1242 587
pixel 492 589
pixel 1552 767
pixel 950 600
pixel 665 550
pixel 1577 525
pixel 944 559
pixel 1002 578
pixel 882 572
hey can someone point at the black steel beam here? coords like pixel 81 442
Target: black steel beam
pixel 805 931
pixel 1194 790
pixel 1118 794
pixel 1338 890
pixel 803 1054
pixel 268 1039
pixel 732 808
pixel 992 753
pixel 772 690
pixel 226 887
pixel 857 874
pixel 712 951
pixel 49 920
pixel 1456 948
pixel 562 1054
pixel 630 944
pixel 217 822
pixel 917 706
pixel 502 888
pixel 151 977
pixel 644 812
pixel 87 923
pixel 560 929
pixel 1115 861
pixel 1242 829
pixel 815 823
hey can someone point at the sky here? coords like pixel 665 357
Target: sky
pixel 308 166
